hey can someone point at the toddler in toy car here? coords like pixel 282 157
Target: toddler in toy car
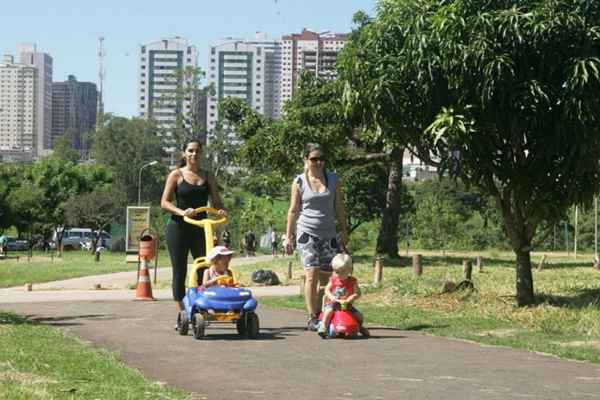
pixel 218 273
pixel 340 293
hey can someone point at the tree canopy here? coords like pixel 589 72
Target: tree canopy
pixel 502 94
pixel 124 146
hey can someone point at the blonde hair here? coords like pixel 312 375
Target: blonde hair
pixel 341 261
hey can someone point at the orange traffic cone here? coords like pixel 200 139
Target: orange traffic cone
pixel 144 288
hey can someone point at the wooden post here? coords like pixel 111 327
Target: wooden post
pixel 417 264
pixel 467 269
pixel 289 272
pixel 542 263
pixel 378 269
pixel 479 263
pixel 596 262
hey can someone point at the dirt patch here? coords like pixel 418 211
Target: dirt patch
pixel 36 259
pixel 595 344
pixel 499 333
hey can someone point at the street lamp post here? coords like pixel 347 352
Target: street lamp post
pixel 140 180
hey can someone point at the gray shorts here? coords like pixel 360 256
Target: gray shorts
pixel 316 252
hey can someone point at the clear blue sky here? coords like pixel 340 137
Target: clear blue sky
pixel 68 30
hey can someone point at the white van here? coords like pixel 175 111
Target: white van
pixel 74 237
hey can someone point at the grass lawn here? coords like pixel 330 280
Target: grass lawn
pixel 565 322
pixel 71 370
pixel 72 264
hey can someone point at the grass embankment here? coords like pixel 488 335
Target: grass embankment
pixel 565 322
pixel 72 264
pixel 40 362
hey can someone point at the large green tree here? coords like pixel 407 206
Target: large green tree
pixel 26 208
pixel 64 148
pixel 10 179
pixel 58 181
pixel 502 93
pixel 124 145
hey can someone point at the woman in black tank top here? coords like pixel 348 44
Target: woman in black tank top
pixel 191 188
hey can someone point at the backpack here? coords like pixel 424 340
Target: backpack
pixel 265 277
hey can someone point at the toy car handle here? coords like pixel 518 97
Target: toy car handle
pixel 206 221
pixel 225 280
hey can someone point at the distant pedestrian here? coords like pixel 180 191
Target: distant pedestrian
pixel 282 243
pixel 274 243
pixel 243 247
pixel 226 238
pixel 3 244
pixel 250 241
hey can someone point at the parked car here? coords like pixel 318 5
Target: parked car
pixel 17 244
pixel 74 237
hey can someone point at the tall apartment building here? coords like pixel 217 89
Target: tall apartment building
pixel 157 83
pixel 43 63
pixel 74 107
pixel 18 110
pixel 315 52
pixel 246 69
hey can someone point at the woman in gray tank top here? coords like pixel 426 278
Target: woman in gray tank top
pixel 316 203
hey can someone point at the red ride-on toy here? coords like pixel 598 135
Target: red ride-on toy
pixel 343 322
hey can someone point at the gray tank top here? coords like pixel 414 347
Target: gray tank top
pixel 317 210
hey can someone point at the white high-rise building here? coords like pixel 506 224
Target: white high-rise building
pixel 246 69
pixel 159 63
pixel 316 52
pixel 18 110
pixel 43 63
pixel 272 70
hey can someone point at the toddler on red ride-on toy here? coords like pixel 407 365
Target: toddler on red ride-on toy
pixel 340 293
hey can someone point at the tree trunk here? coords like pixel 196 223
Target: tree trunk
pixel 520 232
pixel 525 295
pixel 387 239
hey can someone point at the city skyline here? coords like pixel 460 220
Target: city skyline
pixel 127 26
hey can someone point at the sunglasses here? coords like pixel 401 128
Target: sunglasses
pixel 317 159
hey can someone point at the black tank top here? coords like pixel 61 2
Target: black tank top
pixel 191 196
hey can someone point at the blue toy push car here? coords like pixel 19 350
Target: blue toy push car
pixel 224 302
pixel 221 303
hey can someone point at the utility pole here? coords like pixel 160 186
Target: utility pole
pixel 101 74
pixel 596 227
pixel 575 234
pixel 567 236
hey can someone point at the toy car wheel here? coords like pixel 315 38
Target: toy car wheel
pixel 252 325
pixel 198 323
pixel 182 323
pixel 331 332
pixel 240 324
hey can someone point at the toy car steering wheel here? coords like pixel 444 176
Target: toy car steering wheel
pixel 225 280
pixel 343 303
pixel 206 221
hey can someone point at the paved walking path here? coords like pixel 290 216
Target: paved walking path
pixel 116 286
pixel 287 362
